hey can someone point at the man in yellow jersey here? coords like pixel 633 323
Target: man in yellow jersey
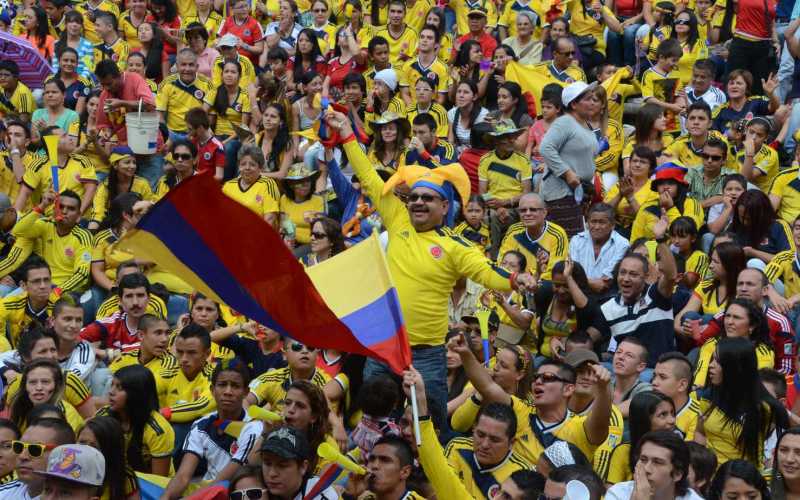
pixel 562 68
pixel 504 175
pixel 661 86
pixel 65 246
pixel 759 162
pixel 427 65
pixel 402 39
pixel 378 52
pixel 270 387
pixel 543 243
pixel 16 99
pixel 582 401
pixel 549 418
pixel 55 10
pixel 19 310
pixel 784 193
pixel 425 258
pixel 153 352
pixel 14 251
pixel 111 46
pixel 672 377
pixel 17 158
pixel 181 92
pixel 688 148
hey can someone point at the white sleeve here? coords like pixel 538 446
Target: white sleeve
pixel 247 440
pixel 194 442
pixel 82 360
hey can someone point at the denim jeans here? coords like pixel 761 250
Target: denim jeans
pixel 621 48
pixel 150 167
pixel 231 161
pixel 431 363
pixel 177 305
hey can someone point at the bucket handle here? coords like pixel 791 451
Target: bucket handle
pixel 139 117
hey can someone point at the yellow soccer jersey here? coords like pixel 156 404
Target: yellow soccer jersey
pixel 77 171
pixel 21 249
pixel 684 151
pixel 624 213
pixel 104 249
pixel 117 52
pixel 261 197
pixel 480 236
pixel 158 439
pixel 573 73
pixel 413 70
pixel 786 186
pixel 618 470
pixel 602 456
pixel 71 415
pixel 175 98
pixel 438 113
pixel 424 265
pixel 630 144
pixel 608 160
pixel 508 19
pixel 664 88
pixel 767 162
pixel 406 44
pixel 504 176
pixel 687 60
pixel 649 214
pixel 686 419
pixel 155 306
pixel 88 12
pixel 212 24
pixel 706 291
pixel 270 387
pixel 233 115
pixel 553 240
pixel 248 75
pixel 480 483
pixel 722 433
pixel 68 256
pixel 75 391
pixel 101 202
pixel 417 14
pixel 297 213
pixel 616 100
pixel 16 315
pixel 8 181
pixel 129 31
pixel 156 365
pixel 784 266
pixel 765 358
pixel 187 399
pixel 19 102
pixel 697 263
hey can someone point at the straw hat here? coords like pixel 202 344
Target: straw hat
pixel 390 117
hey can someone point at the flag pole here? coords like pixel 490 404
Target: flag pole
pixel 415 414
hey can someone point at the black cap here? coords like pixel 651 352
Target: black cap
pixel 287 443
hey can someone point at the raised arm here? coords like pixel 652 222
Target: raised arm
pixel 480 377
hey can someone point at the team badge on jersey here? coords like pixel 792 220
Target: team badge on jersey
pixel 199 94
pixel 206 155
pixel 436 251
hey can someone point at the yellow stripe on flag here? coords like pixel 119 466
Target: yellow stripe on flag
pixel 530 79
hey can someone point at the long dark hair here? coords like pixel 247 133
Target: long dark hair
pixel 694 34
pixel 740 469
pixel 118 206
pixel 170 9
pixel 318 404
pixel 141 401
pixel 521 109
pixel 61 52
pixel 645 119
pixel 399 143
pixel 152 62
pixel 22 404
pixel 111 443
pixel 642 408
pixel 311 58
pixel 741 397
pixel 756 318
pixel 441 27
pixel 375 12
pixel 334 232
pixel 222 99
pixel 732 258
pixel 61 43
pixel 84 116
pixel 726 30
pixel 282 138
pixel 462 59
pixel 778 486
pixel 760 213
pixel 42 28
pixel 476 106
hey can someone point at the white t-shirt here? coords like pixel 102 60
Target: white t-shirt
pixel 623 491
pixel 462 134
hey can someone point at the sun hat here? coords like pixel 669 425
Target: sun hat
pixel 505 126
pixel 120 153
pixel 389 117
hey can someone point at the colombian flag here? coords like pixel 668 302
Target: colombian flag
pixel 228 253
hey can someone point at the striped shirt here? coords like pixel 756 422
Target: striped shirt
pixel 81 361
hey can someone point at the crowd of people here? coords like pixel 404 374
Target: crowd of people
pixel 616 185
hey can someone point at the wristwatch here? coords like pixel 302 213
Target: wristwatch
pixel 663 239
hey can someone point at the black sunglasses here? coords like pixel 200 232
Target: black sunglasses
pixel 682 22
pixel 318 236
pixel 426 198
pixel 181 156
pixel 298 347
pixel 707 156
pixel 547 378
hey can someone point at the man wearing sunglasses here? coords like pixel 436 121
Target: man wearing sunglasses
pixel 426 259
pixel 270 387
pixel 33 450
pixel 550 419
pixel 561 68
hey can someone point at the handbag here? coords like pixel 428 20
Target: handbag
pixel 586 44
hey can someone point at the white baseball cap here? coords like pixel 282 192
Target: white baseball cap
pixel 228 40
pixel 387 76
pixel 575 90
pixel 77 463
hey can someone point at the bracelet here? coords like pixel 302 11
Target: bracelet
pixel 662 239
pixel 15 151
pixel 37 209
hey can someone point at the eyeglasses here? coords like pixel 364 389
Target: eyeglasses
pixel 320 10
pixel 707 156
pixel 548 377
pixel 298 347
pixel 35 450
pixel 426 198
pixel 181 156
pixel 318 236
pixel 681 22
pixel 249 494
pixel 533 210
pixel 570 53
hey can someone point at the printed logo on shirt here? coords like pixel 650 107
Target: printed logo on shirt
pixel 259 198
pixel 76 94
pixel 69 252
pixel 246 32
pixel 493 491
pixel 199 94
pixel 436 251
pixel 206 155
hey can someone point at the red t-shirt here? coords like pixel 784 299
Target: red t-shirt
pixel 249 32
pixel 175 25
pixel 338 71
pixel 486 41
pixel 320 66
pixel 751 20
pixel 210 156
pixel 112 332
pixel 134 87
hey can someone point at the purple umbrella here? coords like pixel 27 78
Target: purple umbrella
pixel 33 68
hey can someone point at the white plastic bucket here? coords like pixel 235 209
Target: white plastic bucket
pixel 142 131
